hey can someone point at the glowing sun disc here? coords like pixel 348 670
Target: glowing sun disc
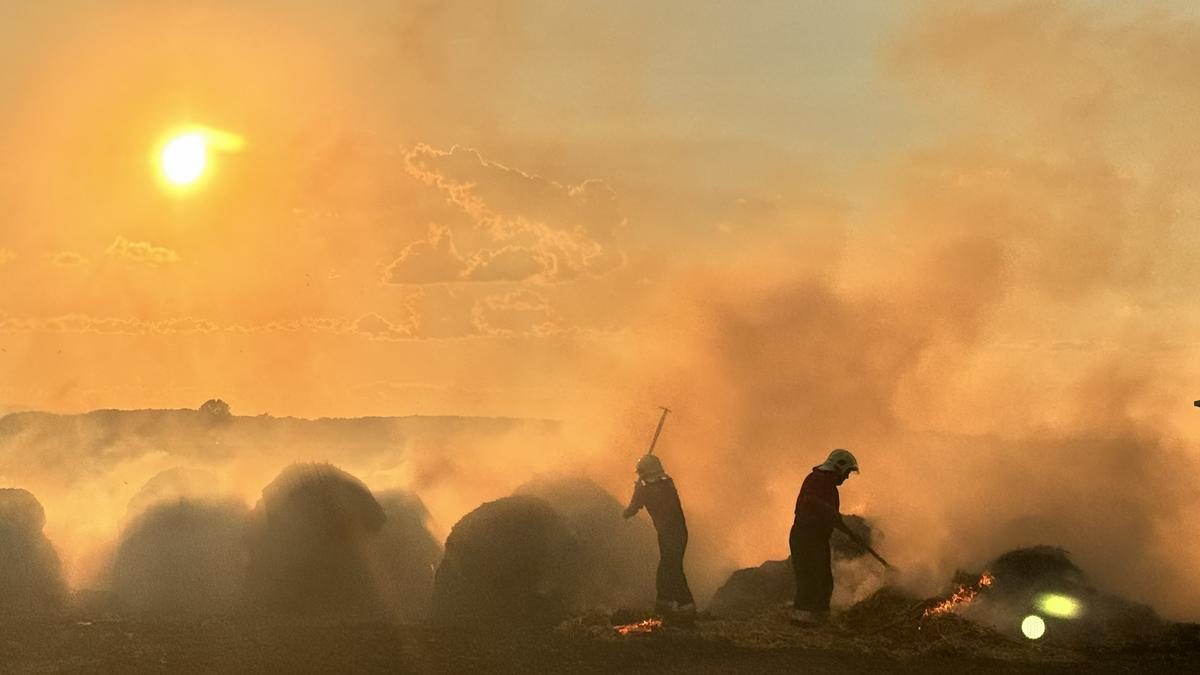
pixel 184 159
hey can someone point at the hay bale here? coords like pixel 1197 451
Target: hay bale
pixel 407 556
pixel 30 573
pixel 1024 576
pixel 182 557
pixel 310 544
pixel 772 583
pixel 753 589
pixel 510 561
pixel 173 485
pixel 617 557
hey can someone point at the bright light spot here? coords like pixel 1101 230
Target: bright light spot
pixel 184 158
pixel 1061 606
pixel 1033 627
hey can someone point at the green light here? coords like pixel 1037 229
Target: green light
pixel 1060 606
pixel 1033 627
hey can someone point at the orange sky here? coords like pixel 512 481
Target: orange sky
pixel 807 223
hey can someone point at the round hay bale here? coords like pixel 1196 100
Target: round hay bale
pixel 30 573
pixel 617 558
pixel 182 557
pixel 310 543
pixel 511 561
pixel 407 556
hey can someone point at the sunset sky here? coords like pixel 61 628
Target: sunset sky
pixel 959 237
pixel 454 207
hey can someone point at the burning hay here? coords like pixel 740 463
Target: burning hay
pixel 513 560
pixel 30 575
pixel 644 626
pixel 962 596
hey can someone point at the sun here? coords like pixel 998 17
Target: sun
pixel 184 159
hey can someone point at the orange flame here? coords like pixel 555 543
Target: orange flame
pixel 646 626
pixel 961 597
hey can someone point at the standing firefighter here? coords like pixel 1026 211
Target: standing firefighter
pixel 655 490
pixel 816 516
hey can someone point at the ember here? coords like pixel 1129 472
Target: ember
pixel 646 626
pixel 962 596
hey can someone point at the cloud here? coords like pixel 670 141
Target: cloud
pixel 68 259
pixel 550 231
pixel 376 327
pixel 509 263
pixel 523 313
pixel 141 252
pixel 433 260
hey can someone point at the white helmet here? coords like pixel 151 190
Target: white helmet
pixel 840 461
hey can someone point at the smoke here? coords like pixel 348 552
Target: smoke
pixel 993 311
pixel 993 342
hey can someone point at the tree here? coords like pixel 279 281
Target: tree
pixel 216 410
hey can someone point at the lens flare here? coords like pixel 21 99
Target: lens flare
pixel 1033 627
pixel 1059 606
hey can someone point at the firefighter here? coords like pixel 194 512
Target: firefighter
pixel 816 516
pixel 655 490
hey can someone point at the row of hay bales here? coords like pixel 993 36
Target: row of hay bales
pixel 320 542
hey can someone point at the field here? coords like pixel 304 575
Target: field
pixel 760 644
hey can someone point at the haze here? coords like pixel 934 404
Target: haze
pixel 960 241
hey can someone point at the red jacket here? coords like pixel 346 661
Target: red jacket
pixel 822 486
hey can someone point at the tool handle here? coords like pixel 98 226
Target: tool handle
pixel 658 430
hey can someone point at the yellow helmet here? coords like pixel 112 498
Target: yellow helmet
pixel 840 461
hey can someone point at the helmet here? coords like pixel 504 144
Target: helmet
pixel 840 461
pixel 650 467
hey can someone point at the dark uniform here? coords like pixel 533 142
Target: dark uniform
pixel 662 503
pixel 809 541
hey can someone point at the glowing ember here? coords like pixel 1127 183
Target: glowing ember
pixel 647 626
pixel 961 597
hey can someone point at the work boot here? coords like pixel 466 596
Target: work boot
pixel 665 607
pixel 803 617
pixel 686 614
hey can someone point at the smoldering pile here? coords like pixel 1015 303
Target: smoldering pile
pixel 1027 603
pixel 772 584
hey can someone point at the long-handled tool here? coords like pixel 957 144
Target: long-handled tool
pixel 855 538
pixel 661 420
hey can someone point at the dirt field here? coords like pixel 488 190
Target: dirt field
pixel 759 645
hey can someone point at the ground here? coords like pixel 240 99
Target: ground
pixel 761 644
